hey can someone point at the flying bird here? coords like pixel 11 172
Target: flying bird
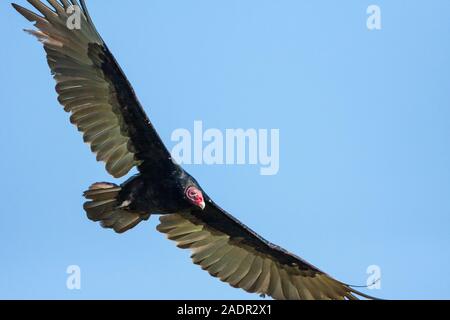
pixel 92 87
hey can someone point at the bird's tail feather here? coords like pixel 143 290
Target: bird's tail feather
pixel 104 206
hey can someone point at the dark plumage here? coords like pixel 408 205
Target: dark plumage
pixel 93 88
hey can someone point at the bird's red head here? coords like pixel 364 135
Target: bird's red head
pixel 195 196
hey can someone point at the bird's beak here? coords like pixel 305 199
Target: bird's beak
pixel 202 205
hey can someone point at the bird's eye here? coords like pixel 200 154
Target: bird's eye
pixel 193 194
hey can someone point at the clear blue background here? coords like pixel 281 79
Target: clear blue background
pixel 365 143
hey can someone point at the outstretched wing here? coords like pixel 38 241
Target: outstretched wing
pixel 235 254
pixel 94 89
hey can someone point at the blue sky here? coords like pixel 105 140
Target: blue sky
pixel 364 119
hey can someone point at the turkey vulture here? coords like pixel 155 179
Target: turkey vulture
pixel 95 91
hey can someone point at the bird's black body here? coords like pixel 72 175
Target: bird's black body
pixel 163 197
pixel 104 107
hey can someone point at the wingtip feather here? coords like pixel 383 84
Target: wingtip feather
pixel 29 15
